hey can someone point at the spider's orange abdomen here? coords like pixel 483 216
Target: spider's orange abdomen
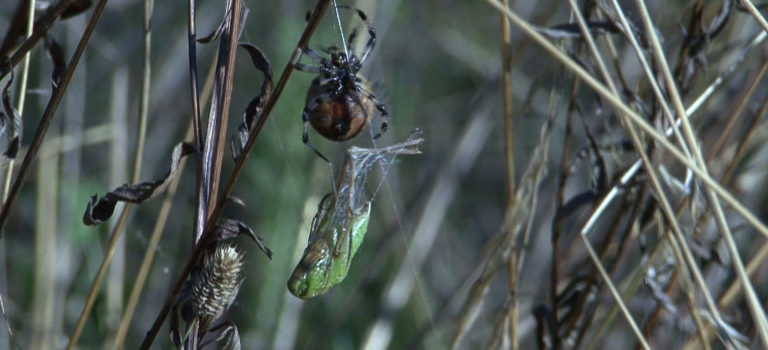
pixel 340 118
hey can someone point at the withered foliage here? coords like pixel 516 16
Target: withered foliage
pixel 99 210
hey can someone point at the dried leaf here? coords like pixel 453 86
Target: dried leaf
pixel 17 30
pixel 545 326
pixel 577 201
pixel 657 291
pixel 704 34
pixel 75 8
pixel 228 229
pixel 56 54
pixel 255 107
pixel 175 333
pixel 228 338
pixel 599 169
pixel 13 149
pixel 220 28
pixel 9 114
pixel 100 210
pixel 214 35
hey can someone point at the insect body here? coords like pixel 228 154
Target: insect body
pixel 333 242
pixel 341 221
pixel 339 102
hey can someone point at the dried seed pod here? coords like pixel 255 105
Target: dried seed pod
pixel 216 285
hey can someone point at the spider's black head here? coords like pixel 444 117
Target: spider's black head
pixel 343 65
pixel 338 60
pixel 340 72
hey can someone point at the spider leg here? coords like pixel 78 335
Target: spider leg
pixel 352 37
pixel 308 68
pixel 331 49
pixel 371 32
pixel 368 46
pixel 382 108
pixel 384 117
pixel 315 55
pixel 175 333
pixel 305 134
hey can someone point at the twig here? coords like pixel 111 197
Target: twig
pixel 197 123
pixel 612 288
pixel 192 52
pixel 755 13
pixel 557 222
pixel 509 152
pixel 735 116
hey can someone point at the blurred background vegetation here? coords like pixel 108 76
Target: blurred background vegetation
pixel 437 217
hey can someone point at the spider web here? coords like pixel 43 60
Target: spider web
pixel 350 192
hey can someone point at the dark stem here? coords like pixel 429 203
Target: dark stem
pixel 219 147
pixel 213 145
pixel 557 225
pixel 196 122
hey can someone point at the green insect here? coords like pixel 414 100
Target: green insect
pixel 333 242
pixel 341 221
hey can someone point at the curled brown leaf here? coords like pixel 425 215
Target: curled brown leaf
pixel 101 209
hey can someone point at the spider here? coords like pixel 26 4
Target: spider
pixel 339 102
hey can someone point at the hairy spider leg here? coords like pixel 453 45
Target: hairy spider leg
pixel 366 52
pixel 371 32
pixel 305 135
pixel 315 55
pixel 382 108
pixel 308 68
pixel 331 49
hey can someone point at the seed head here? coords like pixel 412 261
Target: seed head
pixel 217 284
